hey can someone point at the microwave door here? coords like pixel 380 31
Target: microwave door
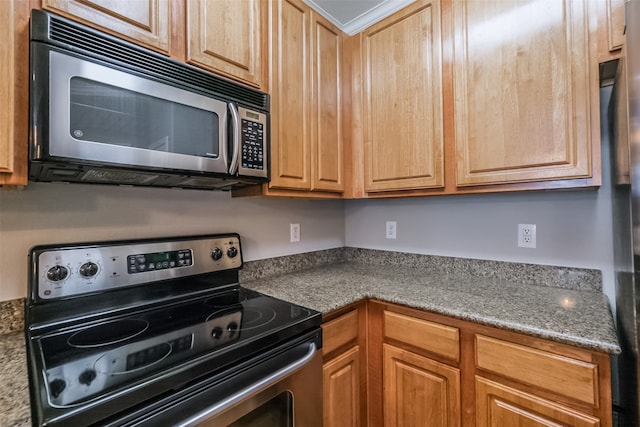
pixel 100 114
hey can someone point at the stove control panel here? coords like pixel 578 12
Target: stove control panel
pixel 64 271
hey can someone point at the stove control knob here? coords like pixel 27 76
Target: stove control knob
pixel 87 377
pixel 216 333
pixel 232 252
pixel 57 273
pixel 216 254
pixel 56 387
pixel 89 269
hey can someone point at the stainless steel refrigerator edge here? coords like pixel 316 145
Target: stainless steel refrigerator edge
pixel 626 210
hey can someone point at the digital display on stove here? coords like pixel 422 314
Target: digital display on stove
pixel 141 263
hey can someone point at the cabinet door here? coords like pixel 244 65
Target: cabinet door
pixel 142 21
pixel 14 66
pixel 341 389
pixel 226 36
pixel 524 85
pixel 327 137
pixel 290 95
pixel 403 127
pixel 498 406
pixel 419 391
pixel 7 89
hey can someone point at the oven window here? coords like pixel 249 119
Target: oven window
pixel 277 412
pixel 111 115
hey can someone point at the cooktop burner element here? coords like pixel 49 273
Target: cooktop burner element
pixel 125 342
pixel 108 333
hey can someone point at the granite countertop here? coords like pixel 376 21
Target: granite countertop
pixel 14 400
pixel 580 318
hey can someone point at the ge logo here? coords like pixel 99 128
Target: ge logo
pixel 78 133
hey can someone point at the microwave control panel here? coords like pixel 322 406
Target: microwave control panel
pixel 253 143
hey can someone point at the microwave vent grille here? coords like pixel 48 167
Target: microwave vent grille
pixel 88 40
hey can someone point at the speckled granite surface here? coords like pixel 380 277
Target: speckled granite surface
pixel 11 316
pixel 564 315
pixel 14 399
pixel 545 275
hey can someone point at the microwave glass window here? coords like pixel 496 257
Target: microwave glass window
pixel 110 115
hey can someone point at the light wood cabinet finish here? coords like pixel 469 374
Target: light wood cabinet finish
pixel 14 66
pixel 500 406
pixel 621 166
pixel 345 367
pixel 306 101
pixel 524 76
pixel 402 92
pixel 327 163
pixel 611 29
pixel 144 22
pixel 341 381
pixel 228 36
pixel 290 95
pixel 340 332
pixel 501 379
pixel 7 88
pixel 419 391
pixel 573 378
pixel 442 340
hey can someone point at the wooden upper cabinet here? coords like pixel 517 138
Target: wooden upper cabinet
pixel 290 95
pixel 14 66
pixel 524 77
pixel 144 22
pixel 7 89
pixel 327 136
pixel 306 98
pixel 402 95
pixel 228 36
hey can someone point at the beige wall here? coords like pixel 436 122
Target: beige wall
pixel 45 213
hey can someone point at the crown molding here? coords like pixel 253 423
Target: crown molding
pixel 364 20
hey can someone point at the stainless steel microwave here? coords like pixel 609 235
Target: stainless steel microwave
pixel 106 111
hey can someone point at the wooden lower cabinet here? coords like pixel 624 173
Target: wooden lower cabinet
pixel 344 369
pixel 419 391
pixel 341 382
pixel 500 406
pixel 426 369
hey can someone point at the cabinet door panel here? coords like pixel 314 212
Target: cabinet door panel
pixel 225 35
pixel 342 390
pixel 419 391
pixel 7 87
pixel 403 128
pixel 522 83
pixel 143 21
pixel 290 96
pixel 498 405
pixel 327 146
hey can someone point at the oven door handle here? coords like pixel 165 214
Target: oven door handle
pixel 249 391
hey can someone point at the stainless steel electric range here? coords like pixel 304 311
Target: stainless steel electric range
pixel 159 332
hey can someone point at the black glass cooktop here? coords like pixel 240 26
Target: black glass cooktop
pixel 216 330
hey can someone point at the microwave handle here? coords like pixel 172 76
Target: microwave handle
pixel 235 119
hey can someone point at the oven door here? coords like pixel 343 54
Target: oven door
pixel 93 112
pixel 282 388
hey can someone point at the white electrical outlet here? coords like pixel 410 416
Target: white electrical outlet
pixel 527 235
pixel 295 233
pixel 391 229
